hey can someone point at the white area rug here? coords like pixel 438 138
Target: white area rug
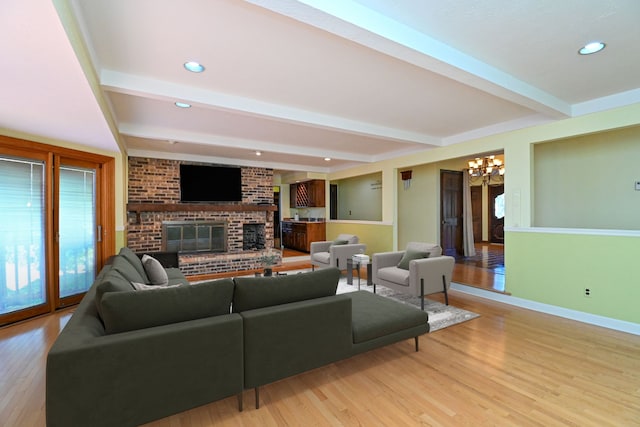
pixel 440 315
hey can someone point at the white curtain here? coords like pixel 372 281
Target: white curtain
pixel 467 217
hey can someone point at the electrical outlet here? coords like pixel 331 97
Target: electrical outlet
pixel 587 292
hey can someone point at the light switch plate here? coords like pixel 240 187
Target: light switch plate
pixel 637 185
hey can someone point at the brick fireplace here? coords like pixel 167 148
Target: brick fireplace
pixel 155 213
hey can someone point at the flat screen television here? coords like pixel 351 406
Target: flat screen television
pixel 200 183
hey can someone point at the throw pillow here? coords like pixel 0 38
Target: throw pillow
pixel 155 271
pixel 410 255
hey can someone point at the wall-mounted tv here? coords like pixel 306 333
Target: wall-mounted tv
pixel 199 183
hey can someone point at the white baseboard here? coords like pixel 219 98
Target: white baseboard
pixel 593 319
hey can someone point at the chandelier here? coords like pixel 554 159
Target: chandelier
pixel 486 168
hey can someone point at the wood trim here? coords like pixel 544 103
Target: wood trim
pixel 24 144
pixel 191 207
pixel 107 213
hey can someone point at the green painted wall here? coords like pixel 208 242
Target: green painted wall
pixel 378 237
pixel 588 181
pixel 555 268
pixel 360 197
pixel 419 206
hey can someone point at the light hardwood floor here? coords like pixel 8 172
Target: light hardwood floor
pixel 509 367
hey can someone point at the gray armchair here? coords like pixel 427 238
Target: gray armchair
pixel 424 276
pixel 334 253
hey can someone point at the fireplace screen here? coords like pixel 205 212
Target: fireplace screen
pixel 189 236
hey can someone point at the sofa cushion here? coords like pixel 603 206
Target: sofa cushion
pixel 175 276
pixel 257 292
pixel 134 260
pixel 155 271
pixel 410 255
pixel 394 275
pixel 338 242
pixel 323 257
pixel 128 271
pixel 375 316
pixel 128 311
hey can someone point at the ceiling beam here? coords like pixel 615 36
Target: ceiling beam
pixel 353 21
pixel 166 134
pixel 157 89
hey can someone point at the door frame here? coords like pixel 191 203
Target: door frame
pixel 105 215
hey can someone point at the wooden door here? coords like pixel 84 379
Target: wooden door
pixel 451 212
pixel 476 212
pixel 496 213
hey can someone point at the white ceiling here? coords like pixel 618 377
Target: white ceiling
pixel 356 81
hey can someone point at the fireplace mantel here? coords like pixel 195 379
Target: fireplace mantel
pixel 195 207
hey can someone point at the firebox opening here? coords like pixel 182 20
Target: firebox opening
pixel 190 236
pixel 253 237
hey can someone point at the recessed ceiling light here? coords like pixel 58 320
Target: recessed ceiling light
pixel 258 153
pixel 327 159
pixel 194 66
pixel 592 47
pixel 182 104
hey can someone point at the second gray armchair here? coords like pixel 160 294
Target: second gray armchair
pixel 412 273
pixel 334 253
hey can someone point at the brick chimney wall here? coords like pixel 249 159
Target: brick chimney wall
pixel 158 181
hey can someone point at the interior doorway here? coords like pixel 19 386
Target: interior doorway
pixel 484 270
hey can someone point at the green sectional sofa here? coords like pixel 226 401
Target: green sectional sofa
pixel 127 356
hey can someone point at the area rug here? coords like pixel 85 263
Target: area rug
pixel 440 316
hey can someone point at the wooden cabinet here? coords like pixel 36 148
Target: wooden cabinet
pixel 308 194
pixel 316 193
pixel 299 235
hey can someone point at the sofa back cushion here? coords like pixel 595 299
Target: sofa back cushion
pixel 128 311
pixel 127 270
pixel 134 260
pixel 351 239
pixel 257 292
pixel 433 249
pixel 111 281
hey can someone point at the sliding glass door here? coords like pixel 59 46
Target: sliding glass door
pixel 77 230
pixel 23 284
pixel 56 225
